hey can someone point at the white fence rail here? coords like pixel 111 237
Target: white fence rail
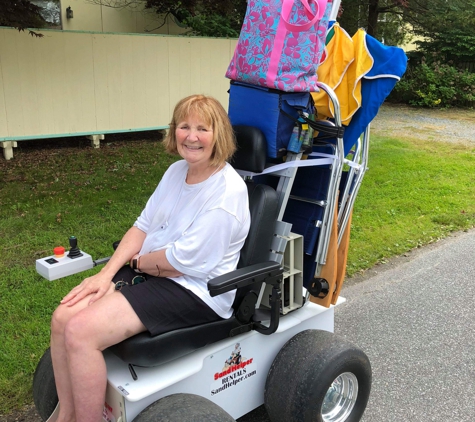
pixel 86 83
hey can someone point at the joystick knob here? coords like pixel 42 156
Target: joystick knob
pixel 74 252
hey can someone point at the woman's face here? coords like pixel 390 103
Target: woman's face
pixel 194 140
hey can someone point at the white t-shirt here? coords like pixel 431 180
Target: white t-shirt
pixel 202 227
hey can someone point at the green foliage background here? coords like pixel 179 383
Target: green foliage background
pixel 435 84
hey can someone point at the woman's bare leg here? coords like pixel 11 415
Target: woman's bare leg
pixel 98 326
pixel 61 317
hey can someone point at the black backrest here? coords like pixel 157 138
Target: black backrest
pixel 263 201
pixel 263 207
pixel 251 154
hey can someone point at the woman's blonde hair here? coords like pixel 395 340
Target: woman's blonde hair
pixel 213 114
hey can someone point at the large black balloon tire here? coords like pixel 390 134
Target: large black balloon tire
pixel 305 369
pixel 183 408
pixel 44 387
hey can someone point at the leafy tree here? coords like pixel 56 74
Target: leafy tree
pixel 382 19
pixel 447 30
pixel 23 14
pixel 205 17
pixel 446 27
pixel 19 14
pixel 440 73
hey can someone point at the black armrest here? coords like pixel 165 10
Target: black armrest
pixel 241 277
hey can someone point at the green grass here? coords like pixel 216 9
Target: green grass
pixel 46 195
pixel 414 193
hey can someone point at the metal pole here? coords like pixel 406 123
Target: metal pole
pixel 335 8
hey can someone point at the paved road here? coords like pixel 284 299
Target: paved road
pixel 450 125
pixel 416 321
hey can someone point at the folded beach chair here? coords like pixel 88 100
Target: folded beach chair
pixel 364 88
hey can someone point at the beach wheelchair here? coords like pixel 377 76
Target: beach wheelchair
pixel 278 348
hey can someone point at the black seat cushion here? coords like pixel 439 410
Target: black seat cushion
pixel 145 350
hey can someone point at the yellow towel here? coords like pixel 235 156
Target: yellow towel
pixel 347 60
pixel 359 67
pixel 338 55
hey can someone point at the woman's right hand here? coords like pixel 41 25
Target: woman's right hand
pixel 99 284
pixel 95 286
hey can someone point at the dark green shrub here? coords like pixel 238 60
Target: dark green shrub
pixel 435 84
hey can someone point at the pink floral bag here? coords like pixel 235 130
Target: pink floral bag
pixel 281 43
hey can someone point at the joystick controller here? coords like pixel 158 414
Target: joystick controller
pixel 74 252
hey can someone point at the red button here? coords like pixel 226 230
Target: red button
pixel 58 251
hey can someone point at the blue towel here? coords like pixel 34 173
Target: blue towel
pixel 389 66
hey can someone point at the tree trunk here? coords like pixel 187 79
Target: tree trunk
pixel 373 17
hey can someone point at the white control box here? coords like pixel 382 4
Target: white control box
pixel 53 268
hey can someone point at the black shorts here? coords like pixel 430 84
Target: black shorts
pixel 163 305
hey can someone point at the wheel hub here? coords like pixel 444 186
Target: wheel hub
pixel 340 398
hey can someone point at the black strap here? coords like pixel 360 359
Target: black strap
pixel 336 131
pixel 332 131
pixel 296 121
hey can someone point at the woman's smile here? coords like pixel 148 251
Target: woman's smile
pixel 193 147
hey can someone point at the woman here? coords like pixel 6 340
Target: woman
pixel 191 230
